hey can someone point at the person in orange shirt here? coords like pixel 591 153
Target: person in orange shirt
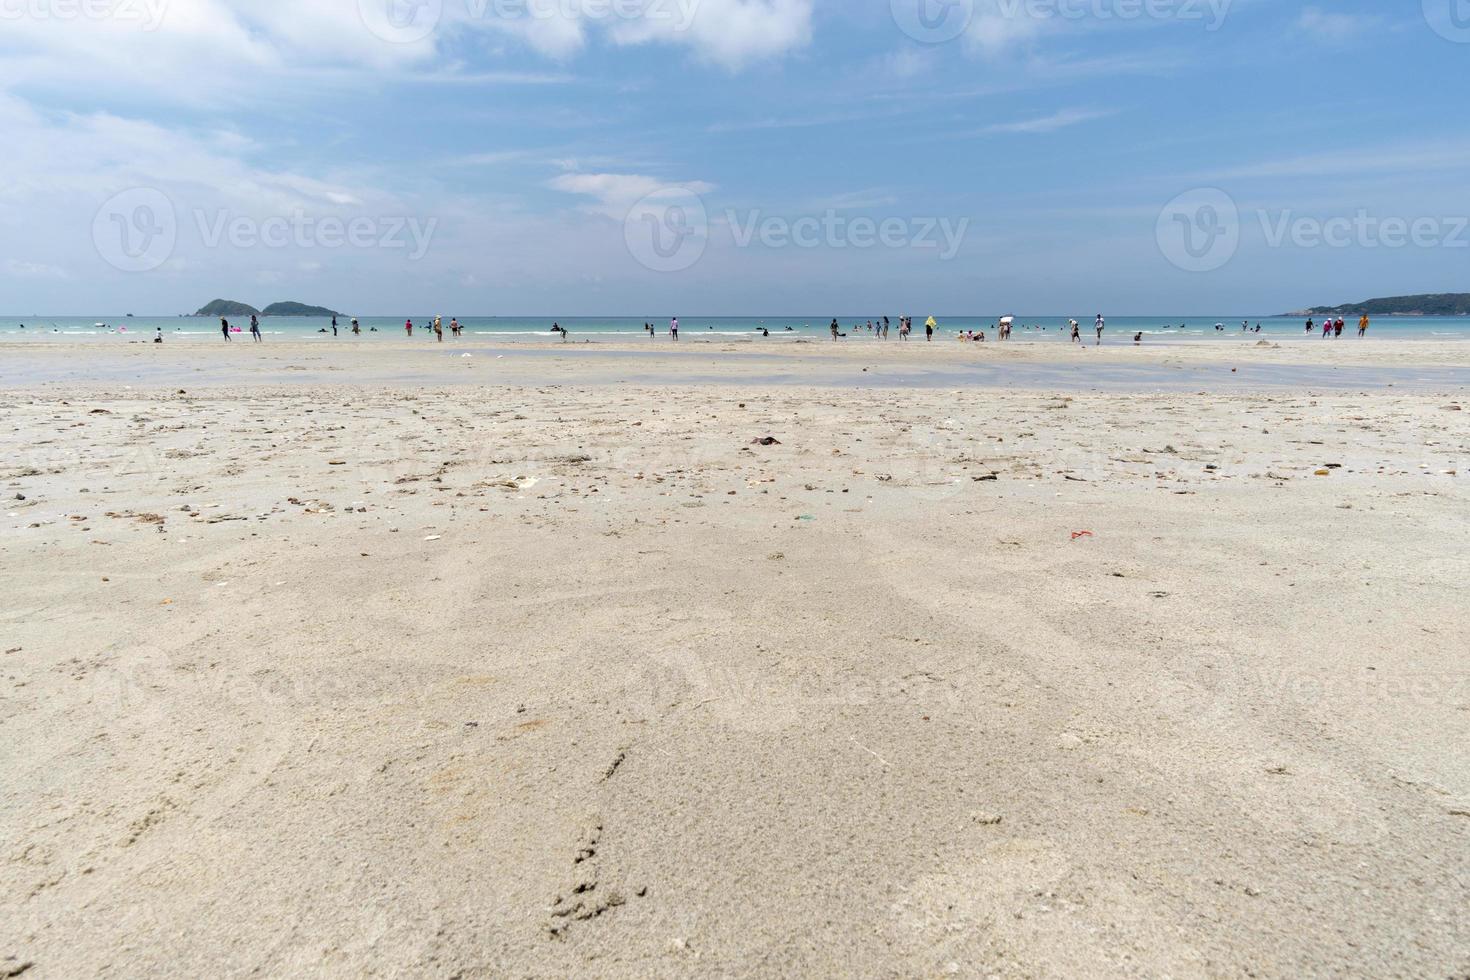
pixel 1363 326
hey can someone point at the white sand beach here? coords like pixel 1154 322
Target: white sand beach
pixel 385 661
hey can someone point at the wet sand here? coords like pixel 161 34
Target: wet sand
pixel 391 661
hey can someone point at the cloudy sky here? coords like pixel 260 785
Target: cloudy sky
pixel 565 157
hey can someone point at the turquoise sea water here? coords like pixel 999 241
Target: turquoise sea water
pixel 121 328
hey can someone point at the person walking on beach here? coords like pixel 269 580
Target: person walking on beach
pixel 1310 325
pixel 255 328
pixel 1099 325
pixel 408 327
pixel 356 330
pixel 224 327
pixel 439 328
pixel 929 326
pixel 1363 326
pixel 1337 327
pixel 835 328
pixel 674 328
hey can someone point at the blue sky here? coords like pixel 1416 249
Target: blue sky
pixel 799 156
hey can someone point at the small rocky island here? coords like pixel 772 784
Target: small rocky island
pixel 228 308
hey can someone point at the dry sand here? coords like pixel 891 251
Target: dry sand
pixel 538 667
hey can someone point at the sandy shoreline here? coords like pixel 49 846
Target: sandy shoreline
pixel 1245 366
pixel 545 669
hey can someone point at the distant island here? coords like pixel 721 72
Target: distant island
pixel 297 309
pixel 1424 304
pixel 228 307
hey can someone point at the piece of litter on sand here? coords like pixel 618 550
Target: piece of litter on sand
pixel 1082 534
pixel 434 537
pixel 765 441
pixel 869 751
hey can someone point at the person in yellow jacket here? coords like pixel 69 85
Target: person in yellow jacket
pixel 929 326
pixel 1363 326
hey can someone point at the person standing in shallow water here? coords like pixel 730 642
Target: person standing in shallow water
pixel 254 328
pixel 1363 326
pixel 408 327
pixel 224 327
pixel 674 328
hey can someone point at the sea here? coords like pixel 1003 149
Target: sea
pixel 115 328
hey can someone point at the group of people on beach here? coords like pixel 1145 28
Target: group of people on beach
pixel 1333 328
pixel 456 329
pixel 226 329
pixel 877 328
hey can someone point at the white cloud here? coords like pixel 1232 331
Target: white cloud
pixel 731 33
pixel 997 29
pixel 1333 27
pixel 616 194
pixel 197 51
pixel 19 269
pixel 1405 160
pixel 1049 124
